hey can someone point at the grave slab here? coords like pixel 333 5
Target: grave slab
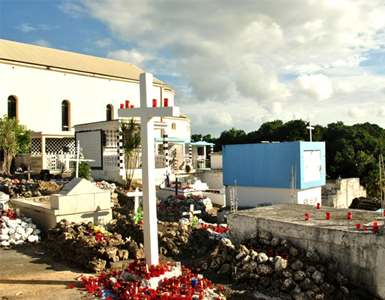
pixel 360 254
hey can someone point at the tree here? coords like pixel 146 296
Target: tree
pixel 13 139
pixel 131 143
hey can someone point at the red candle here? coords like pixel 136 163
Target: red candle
pixel 375 224
pixel 318 205
pixel 153 102
pixel 132 106
pixel 358 225
pixel 364 229
pixel 286 256
pixel 127 104
pixel 220 288
pixel 349 215
pixel 328 216
pixel 165 102
pixel 306 217
pixel 121 105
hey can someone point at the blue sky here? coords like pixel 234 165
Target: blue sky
pixel 231 63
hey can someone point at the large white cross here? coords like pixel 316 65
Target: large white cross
pixel 146 113
pixel 310 130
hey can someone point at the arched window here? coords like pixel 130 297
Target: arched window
pixel 109 112
pixel 12 107
pixel 173 126
pixel 65 115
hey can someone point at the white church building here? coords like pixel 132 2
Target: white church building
pixel 54 92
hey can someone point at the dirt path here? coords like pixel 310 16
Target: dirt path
pixel 25 275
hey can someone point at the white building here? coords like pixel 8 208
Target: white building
pixel 50 91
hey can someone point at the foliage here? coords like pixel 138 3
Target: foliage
pixel 138 215
pixel 84 169
pixel 351 151
pixel 132 140
pixel 13 139
pixel 195 221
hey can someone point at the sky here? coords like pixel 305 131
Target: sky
pixel 231 63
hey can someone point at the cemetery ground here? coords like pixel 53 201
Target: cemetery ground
pixel 41 271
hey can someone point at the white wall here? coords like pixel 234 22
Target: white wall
pixel 252 196
pixel 40 93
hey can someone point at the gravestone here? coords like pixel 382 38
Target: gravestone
pixel 146 112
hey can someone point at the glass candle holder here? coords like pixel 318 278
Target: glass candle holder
pixel 349 215
pixel 328 216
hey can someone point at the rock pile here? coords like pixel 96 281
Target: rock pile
pixel 28 188
pixel 366 203
pixel 82 246
pixel 16 230
pixel 279 266
pixel 172 208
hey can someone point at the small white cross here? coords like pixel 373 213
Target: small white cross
pixel 191 213
pixel 310 130
pixel 78 160
pixel 136 196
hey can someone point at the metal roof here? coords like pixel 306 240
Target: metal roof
pixel 52 58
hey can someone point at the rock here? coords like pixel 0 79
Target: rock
pixel 344 289
pixel 300 296
pixel 297 265
pixel 293 251
pixel 317 277
pixel 264 270
pixel 288 285
pixel 307 284
pixel 319 297
pixel 265 281
pixel 299 276
pixel 265 242
pixel 287 244
pixel 225 268
pixel 310 269
pixel 249 267
pixel 265 235
pixel 275 242
pixel 341 279
pixel 280 264
pixel 287 273
pixel 313 256
pixel 327 288
pixel 96 265
pixel 262 258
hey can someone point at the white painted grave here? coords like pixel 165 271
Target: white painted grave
pixel 147 112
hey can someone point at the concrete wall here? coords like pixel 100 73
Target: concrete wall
pixel 341 192
pixel 252 196
pixel 213 178
pixel 360 255
pixel 216 161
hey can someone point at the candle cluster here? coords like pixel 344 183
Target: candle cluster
pixel 217 228
pixel 133 283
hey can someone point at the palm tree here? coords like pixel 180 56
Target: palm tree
pixel 131 143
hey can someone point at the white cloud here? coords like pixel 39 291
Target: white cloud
pixel 43 43
pixel 26 28
pixel 381 112
pixel 273 55
pixel 132 56
pixel 103 43
pixel 356 112
pixel 316 86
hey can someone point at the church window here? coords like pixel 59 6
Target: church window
pixel 12 107
pixel 65 115
pixel 173 126
pixel 109 112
